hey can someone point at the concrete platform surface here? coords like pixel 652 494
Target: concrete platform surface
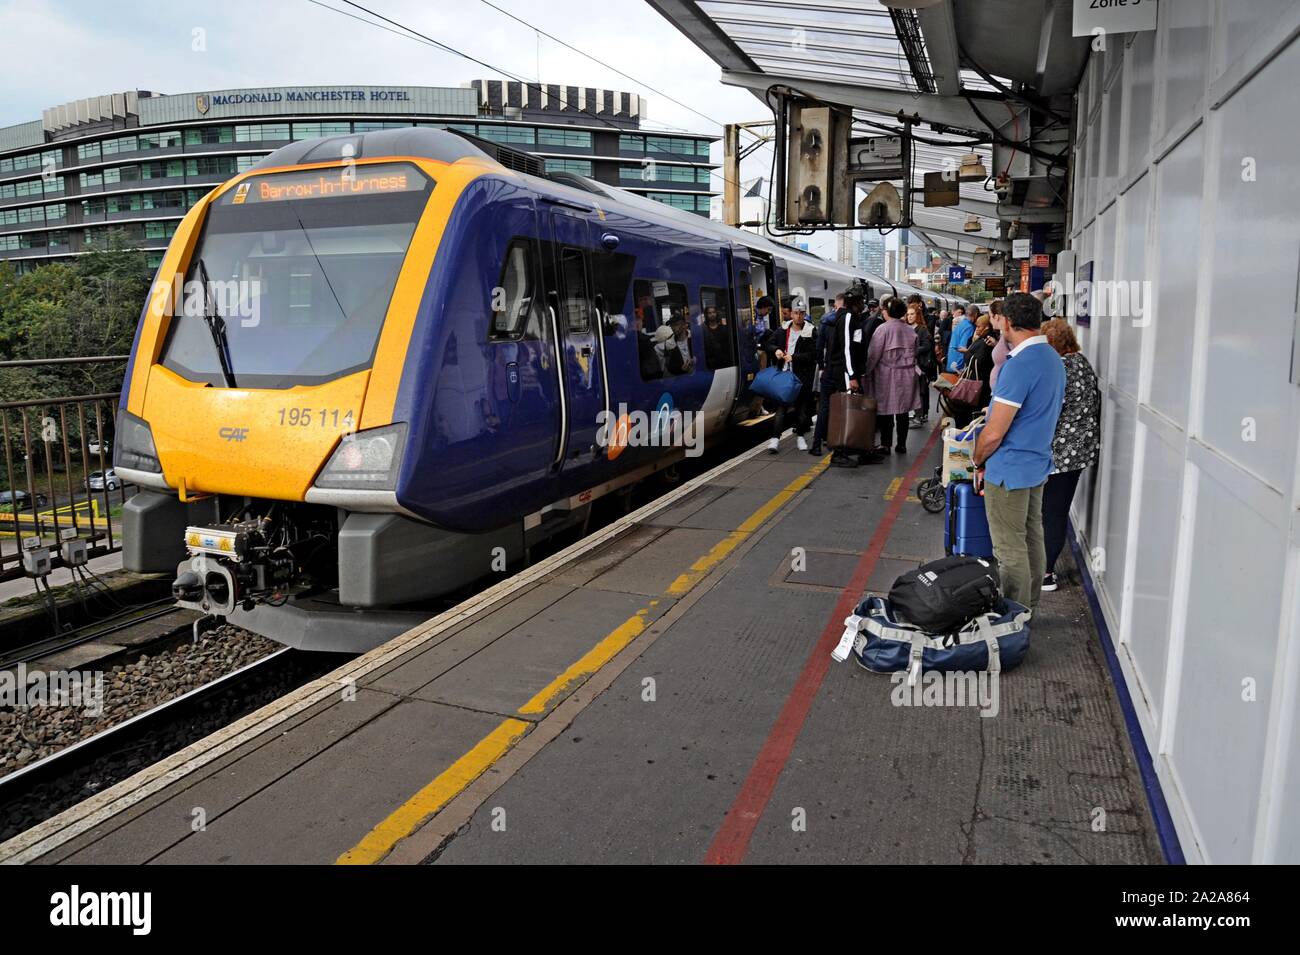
pixel 661 692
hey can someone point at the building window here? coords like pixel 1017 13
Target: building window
pixel 370 127
pixel 262 133
pixel 631 144
pixel 209 135
pixel 524 135
pixel 159 230
pixel 89 152
pixel 571 138
pixel 315 130
pixel 581 167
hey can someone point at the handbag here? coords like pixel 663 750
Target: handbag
pixel 780 386
pixel 966 389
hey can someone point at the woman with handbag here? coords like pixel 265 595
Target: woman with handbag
pixel 792 348
pixel 972 391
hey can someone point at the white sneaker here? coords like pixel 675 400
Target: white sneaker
pixel 801 443
pixel 774 445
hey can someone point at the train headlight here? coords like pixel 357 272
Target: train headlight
pixel 135 448
pixel 367 460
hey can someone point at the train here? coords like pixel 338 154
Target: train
pixel 377 368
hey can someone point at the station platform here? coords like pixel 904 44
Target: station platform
pixel 661 692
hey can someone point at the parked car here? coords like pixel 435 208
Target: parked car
pixel 20 501
pixel 96 445
pixel 101 480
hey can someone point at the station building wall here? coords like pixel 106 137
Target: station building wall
pixel 1187 177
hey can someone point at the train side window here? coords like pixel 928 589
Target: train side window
pixel 665 343
pixel 719 335
pixel 512 299
pixel 816 308
pixel 611 274
pixel 576 308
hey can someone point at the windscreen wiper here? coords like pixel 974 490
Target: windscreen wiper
pixel 216 328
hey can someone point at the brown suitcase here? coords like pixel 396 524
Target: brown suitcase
pixel 852 424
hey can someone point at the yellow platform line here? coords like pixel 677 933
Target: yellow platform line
pixel 380 840
pixel 409 816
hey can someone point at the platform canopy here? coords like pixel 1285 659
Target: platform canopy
pixel 1000 72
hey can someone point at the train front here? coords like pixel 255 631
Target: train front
pixel 258 409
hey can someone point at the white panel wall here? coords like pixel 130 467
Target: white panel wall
pixel 1187 177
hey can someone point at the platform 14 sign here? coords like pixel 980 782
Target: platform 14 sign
pixel 1113 16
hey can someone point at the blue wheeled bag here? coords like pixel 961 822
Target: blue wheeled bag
pixel 780 386
pixel 882 643
pixel 966 526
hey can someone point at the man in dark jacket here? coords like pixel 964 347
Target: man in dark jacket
pixel 846 358
pixel 824 331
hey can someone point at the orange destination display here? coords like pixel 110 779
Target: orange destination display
pixel 351 180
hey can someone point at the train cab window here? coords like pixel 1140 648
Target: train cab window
pixel 661 316
pixel 575 303
pixel 719 332
pixel 513 313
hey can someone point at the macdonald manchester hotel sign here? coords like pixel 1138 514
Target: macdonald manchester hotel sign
pixel 300 100
pixel 205 101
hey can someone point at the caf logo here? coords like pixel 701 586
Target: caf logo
pixel 201 103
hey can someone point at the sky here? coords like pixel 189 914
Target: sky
pixel 62 50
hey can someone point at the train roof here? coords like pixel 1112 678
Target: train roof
pixel 450 146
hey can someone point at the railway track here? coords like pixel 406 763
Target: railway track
pixel 98 630
pixel 46 787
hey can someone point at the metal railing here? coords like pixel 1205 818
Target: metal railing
pixel 47 468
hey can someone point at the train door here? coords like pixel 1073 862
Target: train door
pixel 568 284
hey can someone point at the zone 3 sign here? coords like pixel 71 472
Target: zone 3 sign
pixel 1113 16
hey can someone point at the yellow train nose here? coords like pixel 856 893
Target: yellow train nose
pixel 228 440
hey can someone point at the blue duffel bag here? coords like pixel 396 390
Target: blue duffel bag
pixel 780 386
pixel 883 644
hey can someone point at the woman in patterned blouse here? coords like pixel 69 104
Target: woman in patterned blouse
pixel 1077 441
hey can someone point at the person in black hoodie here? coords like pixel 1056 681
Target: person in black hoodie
pixel 846 359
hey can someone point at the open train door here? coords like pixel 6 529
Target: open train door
pixel 744 293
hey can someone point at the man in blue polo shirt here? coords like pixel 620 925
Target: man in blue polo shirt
pixel 1013 452
pixel 963 330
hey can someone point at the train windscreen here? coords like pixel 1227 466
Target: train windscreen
pixel 292 275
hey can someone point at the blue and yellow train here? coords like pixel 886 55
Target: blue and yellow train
pixel 378 367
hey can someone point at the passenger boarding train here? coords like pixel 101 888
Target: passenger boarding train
pixel 415 395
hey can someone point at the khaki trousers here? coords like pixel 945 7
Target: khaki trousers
pixel 1016 525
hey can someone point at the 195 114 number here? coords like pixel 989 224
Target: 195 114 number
pixel 319 417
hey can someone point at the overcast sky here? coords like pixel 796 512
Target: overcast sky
pixel 61 50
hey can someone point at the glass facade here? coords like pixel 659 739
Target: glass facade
pixel 144 180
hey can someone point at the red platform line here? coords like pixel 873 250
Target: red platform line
pixel 732 840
